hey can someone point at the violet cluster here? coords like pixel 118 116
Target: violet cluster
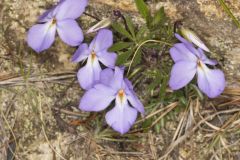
pixel 114 87
pixel 103 81
pixel 108 85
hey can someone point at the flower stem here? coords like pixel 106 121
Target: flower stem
pixel 92 16
pixel 139 46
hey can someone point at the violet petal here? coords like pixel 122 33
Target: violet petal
pixel 41 36
pixel 97 98
pixel 70 32
pixel 182 73
pixel 211 82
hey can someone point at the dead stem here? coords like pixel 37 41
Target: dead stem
pixel 44 132
pixel 15 80
pixel 182 138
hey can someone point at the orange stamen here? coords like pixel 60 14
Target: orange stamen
pixel 199 63
pixel 54 21
pixel 93 56
pixel 121 94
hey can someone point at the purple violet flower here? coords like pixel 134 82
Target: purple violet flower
pixel 60 18
pixel 189 61
pixel 94 54
pixel 192 37
pixel 113 86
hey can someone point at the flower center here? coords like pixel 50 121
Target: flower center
pixel 121 94
pixel 93 56
pixel 202 66
pixel 199 63
pixel 54 21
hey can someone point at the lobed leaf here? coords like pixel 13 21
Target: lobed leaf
pixel 130 26
pixel 120 29
pixel 158 19
pixel 143 9
pixel 120 46
pixel 123 57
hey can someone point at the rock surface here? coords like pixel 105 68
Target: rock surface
pixel 205 17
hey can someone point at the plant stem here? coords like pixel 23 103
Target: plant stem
pixel 92 16
pixel 139 46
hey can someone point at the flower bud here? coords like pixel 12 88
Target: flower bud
pixel 102 24
pixel 193 38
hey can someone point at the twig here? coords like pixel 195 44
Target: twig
pixel 127 153
pixel 182 138
pixel 180 125
pixel 70 112
pixel 44 132
pixel 228 146
pixel 94 17
pixel 35 79
pixel 60 122
pixel 15 139
pixel 231 102
pixel 162 115
pixel 171 107
pixel 156 112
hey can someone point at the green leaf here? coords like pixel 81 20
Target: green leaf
pixel 141 33
pixel 130 26
pixel 123 57
pixel 153 46
pixel 138 58
pixel 142 8
pixel 229 12
pixel 196 89
pixel 158 19
pixel 158 126
pixel 120 29
pixel 120 46
pixel 156 81
pixel 163 88
pixel 147 123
